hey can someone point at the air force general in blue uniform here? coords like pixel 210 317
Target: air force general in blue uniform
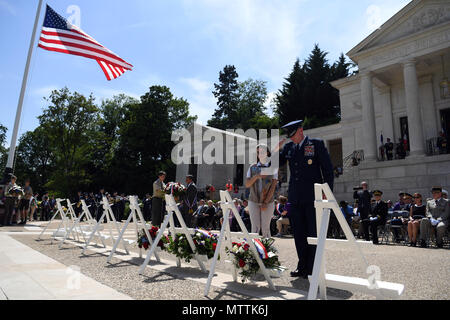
pixel 309 163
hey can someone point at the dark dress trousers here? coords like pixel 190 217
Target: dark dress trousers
pixel 379 212
pixel 309 164
pixel 189 204
pixel 364 203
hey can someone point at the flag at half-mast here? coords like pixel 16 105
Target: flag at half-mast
pixel 61 36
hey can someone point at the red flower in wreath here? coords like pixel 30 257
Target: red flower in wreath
pixel 214 245
pixel 145 244
pixel 241 263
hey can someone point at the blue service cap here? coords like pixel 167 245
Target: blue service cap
pixel 291 128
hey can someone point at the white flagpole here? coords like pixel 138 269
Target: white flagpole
pixel 12 148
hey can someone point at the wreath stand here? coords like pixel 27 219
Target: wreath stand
pixel 227 205
pixel 74 228
pixel 320 279
pixel 171 207
pixel 137 219
pixel 107 212
pixel 84 230
pixel 65 221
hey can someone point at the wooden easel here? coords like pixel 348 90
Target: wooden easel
pixel 64 220
pixel 171 207
pixel 225 235
pixel 138 218
pixel 82 229
pixel 320 279
pixel 107 212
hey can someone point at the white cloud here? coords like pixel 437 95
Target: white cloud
pixel 200 97
pixel 8 7
pixel 377 14
pixel 270 102
pixel 374 18
pixel 107 93
pixel 44 92
pixel 260 32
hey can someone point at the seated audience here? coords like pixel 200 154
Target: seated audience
pixel 283 220
pixel 377 217
pixel 199 215
pixel 437 218
pixel 417 213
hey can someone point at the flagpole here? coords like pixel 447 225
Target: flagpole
pixel 12 147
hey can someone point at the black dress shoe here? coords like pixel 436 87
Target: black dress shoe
pixel 299 274
pixel 423 244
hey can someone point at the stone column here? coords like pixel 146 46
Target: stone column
pixel 388 121
pixel 368 115
pixel 428 108
pixel 417 142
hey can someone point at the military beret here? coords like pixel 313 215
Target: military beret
pixel 401 193
pixel 292 127
pixel 377 193
pixel 438 189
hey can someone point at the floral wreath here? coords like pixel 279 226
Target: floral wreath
pixel 244 259
pixel 205 244
pixel 144 243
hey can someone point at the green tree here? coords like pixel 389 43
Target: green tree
pixel 145 144
pixel 252 96
pixel 35 158
pixel 289 100
pixel 105 140
pixel 227 94
pixel 307 93
pixel 69 121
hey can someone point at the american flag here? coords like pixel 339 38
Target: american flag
pixel 61 36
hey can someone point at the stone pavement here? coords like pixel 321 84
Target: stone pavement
pixel 27 274
pixel 424 272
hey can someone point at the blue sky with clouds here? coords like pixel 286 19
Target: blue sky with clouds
pixel 179 43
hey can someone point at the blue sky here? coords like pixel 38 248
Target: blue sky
pixel 179 43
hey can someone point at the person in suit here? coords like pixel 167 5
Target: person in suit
pixel 309 163
pixel 190 201
pixel 364 196
pixel 437 217
pixel 99 199
pixel 198 218
pixel 77 203
pixel 147 207
pixel 389 146
pixel 377 217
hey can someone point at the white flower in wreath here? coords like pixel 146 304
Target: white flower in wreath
pixel 246 267
pixel 180 250
pixel 241 250
pixel 271 255
pixel 198 234
pixel 180 238
pixel 235 249
pixel 202 242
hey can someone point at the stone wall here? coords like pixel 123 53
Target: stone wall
pixel 414 174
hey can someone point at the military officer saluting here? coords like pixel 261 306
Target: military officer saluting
pixel 309 163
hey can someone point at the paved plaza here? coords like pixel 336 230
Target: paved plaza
pixel 33 269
